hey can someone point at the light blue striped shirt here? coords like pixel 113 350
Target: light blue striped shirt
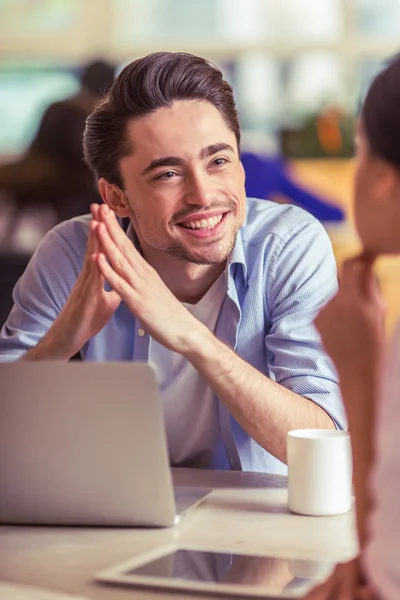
pixel 280 273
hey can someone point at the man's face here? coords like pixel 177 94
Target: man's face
pixel 184 182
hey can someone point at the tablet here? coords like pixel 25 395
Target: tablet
pixel 199 570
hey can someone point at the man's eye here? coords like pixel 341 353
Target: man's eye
pixel 219 161
pixel 166 175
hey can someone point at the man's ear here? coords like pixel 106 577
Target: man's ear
pixel 114 197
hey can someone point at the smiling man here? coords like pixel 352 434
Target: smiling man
pixel 178 268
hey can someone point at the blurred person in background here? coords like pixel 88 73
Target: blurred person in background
pixel 52 173
pixel 352 329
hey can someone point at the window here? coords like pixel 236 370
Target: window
pixel 24 94
pixel 378 18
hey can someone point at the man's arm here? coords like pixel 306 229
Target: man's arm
pixel 45 349
pixel 87 310
pixel 265 409
pixel 39 296
pixel 301 279
pixel 60 303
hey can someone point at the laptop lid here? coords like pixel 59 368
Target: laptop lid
pixel 83 444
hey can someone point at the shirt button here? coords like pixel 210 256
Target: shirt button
pixel 141 332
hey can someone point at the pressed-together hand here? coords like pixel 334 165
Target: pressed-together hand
pixel 89 307
pixel 141 288
pixel 345 583
pixel 352 324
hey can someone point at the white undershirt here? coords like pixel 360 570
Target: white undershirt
pixel 190 408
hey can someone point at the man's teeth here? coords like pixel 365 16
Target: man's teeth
pixel 204 223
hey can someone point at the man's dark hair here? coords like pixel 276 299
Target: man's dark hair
pixel 381 113
pixel 142 87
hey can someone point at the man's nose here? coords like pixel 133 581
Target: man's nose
pixel 201 190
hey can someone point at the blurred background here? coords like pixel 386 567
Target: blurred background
pixel 299 70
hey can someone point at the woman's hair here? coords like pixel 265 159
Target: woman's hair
pixel 142 87
pixel 381 113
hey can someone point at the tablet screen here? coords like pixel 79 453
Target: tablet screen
pixel 268 574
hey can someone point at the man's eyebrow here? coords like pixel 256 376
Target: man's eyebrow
pixel 165 161
pixel 214 149
pixel 176 161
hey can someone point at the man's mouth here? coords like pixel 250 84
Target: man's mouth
pixel 203 224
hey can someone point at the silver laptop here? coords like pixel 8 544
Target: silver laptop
pixel 84 443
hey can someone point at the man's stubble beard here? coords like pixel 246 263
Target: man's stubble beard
pixel 179 250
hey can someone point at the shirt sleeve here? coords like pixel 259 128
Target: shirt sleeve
pixel 302 278
pixel 39 295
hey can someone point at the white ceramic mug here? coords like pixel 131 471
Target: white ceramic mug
pixel 319 471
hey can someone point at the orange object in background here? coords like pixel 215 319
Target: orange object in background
pixel 329 131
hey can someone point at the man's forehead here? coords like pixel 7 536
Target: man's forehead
pixel 182 124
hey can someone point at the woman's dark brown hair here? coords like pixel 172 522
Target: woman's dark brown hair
pixel 381 114
pixel 144 86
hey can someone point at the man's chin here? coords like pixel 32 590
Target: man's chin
pixel 209 256
pixel 201 260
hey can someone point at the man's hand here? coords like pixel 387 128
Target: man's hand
pixel 88 308
pixel 352 324
pixel 345 583
pixel 142 289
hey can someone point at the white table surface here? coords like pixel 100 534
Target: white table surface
pixel 245 512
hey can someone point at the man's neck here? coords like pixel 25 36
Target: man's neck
pixel 187 281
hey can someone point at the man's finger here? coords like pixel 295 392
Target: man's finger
pixel 91 272
pixel 94 243
pixel 94 209
pixel 117 283
pixel 111 295
pixel 92 247
pixel 89 247
pixel 119 262
pixel 118 236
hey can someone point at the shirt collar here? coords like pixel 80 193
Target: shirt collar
pixel 238 256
